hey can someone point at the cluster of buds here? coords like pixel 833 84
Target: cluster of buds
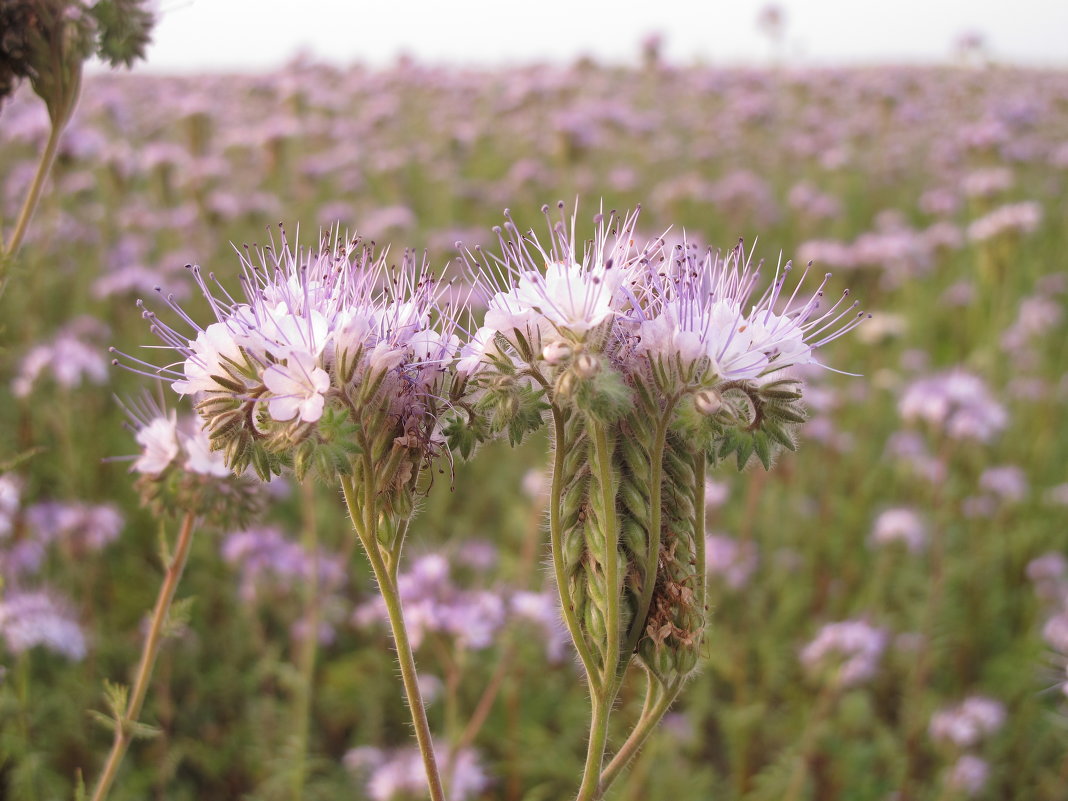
pixel 654 362
pixel 177 470
pixel 47 41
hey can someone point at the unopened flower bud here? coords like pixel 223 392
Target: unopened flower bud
pixel 708 401
pixel 556 352
pixel 565 384
pixel 586 366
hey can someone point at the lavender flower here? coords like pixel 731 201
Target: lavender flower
pixel 78 527
pixel 71 358
pixel 543 609
pixel 270 564
pixel 965 724
pixel 955 402
pixel 1014 218
pixel 37 618
pixel 846 654
pixel 1007 482
pixel 733 561
pixel 969 774
pixel 178 470
pixel 900 524
pixel 397 774
pixel 434 604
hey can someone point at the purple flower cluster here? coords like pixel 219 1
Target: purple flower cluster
pixel 1049 576
pixel 37 618
pixel 434 604
pixel 271 565
pixel 846 654
pixel 955 403
pixel 28 531
pixel 967 723
pixel 730 560
pixel 72 356
pixel 393 775
pixel 312 321
pixel 900 524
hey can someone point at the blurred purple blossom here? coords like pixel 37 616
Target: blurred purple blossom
pixel 969 774
pixel 956 403
pixel 730 560
pixel 270 563
pixel 398 774
pixel 847 653
pixel 965 724
pixel 30 618
pixel 900 524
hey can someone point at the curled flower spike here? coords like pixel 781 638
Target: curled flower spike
pixel 652 364
pixel 319 335
pixel 699 314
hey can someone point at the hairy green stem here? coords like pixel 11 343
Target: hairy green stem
pixel 44 167
pixel 308 644
pixel 124 727
pixel 590 789
pixel 366 530
pixel 657 703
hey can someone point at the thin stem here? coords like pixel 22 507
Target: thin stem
pixel 590 789
pixel 646 725
pixel 124 727
pixel 567 605
pixel 405 657
pixel 308 644
pixel 44 167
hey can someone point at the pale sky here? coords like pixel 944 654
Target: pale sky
pixel 259 34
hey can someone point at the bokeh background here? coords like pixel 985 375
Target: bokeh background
pixel 917 539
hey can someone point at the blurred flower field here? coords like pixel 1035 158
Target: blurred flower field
pixel 888 606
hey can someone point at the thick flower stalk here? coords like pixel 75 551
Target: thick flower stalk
pixel 653 363
pixel 333 363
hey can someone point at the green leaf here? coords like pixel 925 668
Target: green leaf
pixel 178 616
pixel 762 446
pixel 143 731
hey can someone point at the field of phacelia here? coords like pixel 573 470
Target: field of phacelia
pixel 881 614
